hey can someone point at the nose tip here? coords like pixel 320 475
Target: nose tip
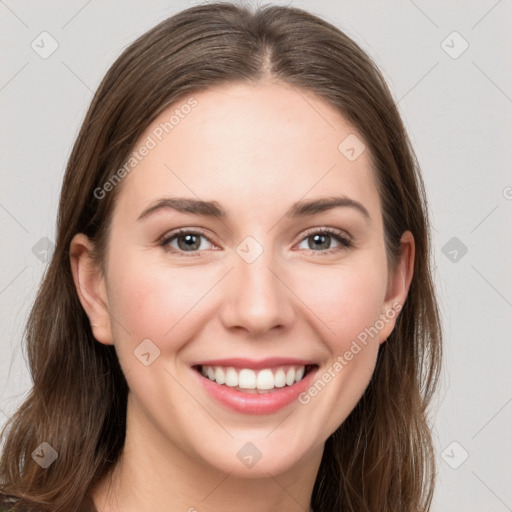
pixel 256 299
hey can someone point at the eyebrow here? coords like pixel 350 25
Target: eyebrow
pixel 213 209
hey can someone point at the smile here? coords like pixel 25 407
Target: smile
pixel 255 381
pixel 250 387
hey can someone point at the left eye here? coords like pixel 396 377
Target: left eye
pixel 323 238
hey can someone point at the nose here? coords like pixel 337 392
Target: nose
pixel 257 298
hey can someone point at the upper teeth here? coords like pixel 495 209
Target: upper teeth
pixel 245 378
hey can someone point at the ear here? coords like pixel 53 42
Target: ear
pixel 90 287
pixel 398 285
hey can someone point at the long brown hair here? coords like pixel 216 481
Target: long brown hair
pixel 381 457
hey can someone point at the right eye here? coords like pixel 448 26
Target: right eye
pixel 186 241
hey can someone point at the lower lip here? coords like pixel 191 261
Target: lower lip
pixel 256 403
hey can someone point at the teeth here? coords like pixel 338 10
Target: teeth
pixel 231 377
pixel 265 380
pixel 279 378
pixel 290 377
pixel 246 378
pixel 220 376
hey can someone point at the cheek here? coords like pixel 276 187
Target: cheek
pixel 349 306
pixel 150 301
pixel 346 300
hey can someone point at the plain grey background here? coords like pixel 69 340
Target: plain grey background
pixel 449 68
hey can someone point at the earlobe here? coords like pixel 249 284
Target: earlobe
pixel 398 284
pixel 90 287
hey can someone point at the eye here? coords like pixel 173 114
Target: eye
pixel 322 238
pixel 187 241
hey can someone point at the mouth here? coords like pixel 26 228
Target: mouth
pixel 250 386
pixel 256 381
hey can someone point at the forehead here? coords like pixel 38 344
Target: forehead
pixel 249 146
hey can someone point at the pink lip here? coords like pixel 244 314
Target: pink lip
pixel 249 403
pixel 239 362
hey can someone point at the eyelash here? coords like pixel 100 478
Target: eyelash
pixel 345 242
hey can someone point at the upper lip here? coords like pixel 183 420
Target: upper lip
pixel 270 362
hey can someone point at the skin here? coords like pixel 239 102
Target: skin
pixel 255 149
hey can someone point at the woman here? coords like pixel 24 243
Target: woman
pixel 239 312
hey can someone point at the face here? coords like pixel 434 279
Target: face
pixel 287 303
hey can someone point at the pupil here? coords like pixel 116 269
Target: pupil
pixel 189 241
pixel 319 237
